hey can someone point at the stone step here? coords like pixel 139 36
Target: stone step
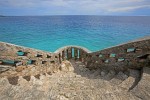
pixel 118 78
pixel 130 81
pixel 142 89
pixel 94 74
pixel 111 74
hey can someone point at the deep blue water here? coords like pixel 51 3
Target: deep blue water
pixel 52 32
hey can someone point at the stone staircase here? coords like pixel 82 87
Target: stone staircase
pixel 79 83
pixel 117 73
pixel 142 89
pixel 128 79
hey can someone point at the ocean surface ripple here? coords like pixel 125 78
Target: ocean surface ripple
pixel 52 32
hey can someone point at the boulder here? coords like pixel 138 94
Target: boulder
pixel 66 66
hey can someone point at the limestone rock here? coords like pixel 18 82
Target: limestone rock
pixel 20 68
pixel 66 66
pixel 4 68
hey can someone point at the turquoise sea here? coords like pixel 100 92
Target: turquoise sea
pixel 52 32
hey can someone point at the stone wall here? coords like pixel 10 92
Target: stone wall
pixel 135 55
pixel 130 55
pixel 28 62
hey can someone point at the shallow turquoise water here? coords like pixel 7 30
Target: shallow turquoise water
pixel 52 32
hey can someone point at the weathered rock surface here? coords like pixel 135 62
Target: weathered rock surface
pixel 142 90
pixel 66 66
pixel 79 83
